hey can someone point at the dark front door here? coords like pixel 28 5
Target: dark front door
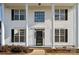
pixel 39 37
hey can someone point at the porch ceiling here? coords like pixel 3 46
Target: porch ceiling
pixel 65 4
pixel 49 4
pixel 37 4
pixel 14 4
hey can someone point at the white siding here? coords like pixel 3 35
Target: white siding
pixel 49 25
pixel 46 25
pixel 9 24
pixel 66 25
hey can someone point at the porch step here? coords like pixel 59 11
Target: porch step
pixel 38 52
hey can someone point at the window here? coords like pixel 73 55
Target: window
pixel 18 14
pixel 39 16
pixel 18 35
pixel 61 14
pixel 61 35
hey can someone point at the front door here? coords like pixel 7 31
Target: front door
pixel 39 37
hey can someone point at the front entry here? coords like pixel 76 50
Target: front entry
pixel 39 37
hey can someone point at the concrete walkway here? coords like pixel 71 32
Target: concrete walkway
pixel 37 52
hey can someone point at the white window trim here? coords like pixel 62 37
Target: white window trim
pixel 61 35
pixel 39 11
pixel 19 14
pixel 59 9
pixel 20 35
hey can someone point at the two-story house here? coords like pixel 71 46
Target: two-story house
pixel 39 24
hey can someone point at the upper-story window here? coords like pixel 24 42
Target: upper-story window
pixel 61 14
pixel 18 14
pixel 39 16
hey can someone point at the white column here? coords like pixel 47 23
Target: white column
pixel 78 23
pixel 2 25
pixel 26 24
pixel 2 36
pixel 53 13
pixel 75 40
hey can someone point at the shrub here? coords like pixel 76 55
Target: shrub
pixel 64 47
pixel 25 49
pixel 1 50
pixel 16 49
pixel 77 50
pixel 5 48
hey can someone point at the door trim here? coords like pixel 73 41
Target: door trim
pixel 43 32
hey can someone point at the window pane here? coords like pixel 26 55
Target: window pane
pixel 16 32
pixel 16 17
pixel 22 32
pixel 22 12
pixel 56 14
pixel 62 14
pixel 16 12
pixel 22 35
pixel 56 31
pixel 22 17
pixel 16 38
pixel 56 38
pixel 22 39
pixel 62 39
pixel 62 17
pixel 62 11
pixel 39 16
pixel 56 17
pixel 61 31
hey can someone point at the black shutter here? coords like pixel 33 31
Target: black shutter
pixel 12 35
pixel 66 14
pixel 66 35
pixel 12 14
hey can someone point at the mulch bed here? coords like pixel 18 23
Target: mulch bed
pixel 14 50
pixel 60 51
pixel 9 53
pixel 47 50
